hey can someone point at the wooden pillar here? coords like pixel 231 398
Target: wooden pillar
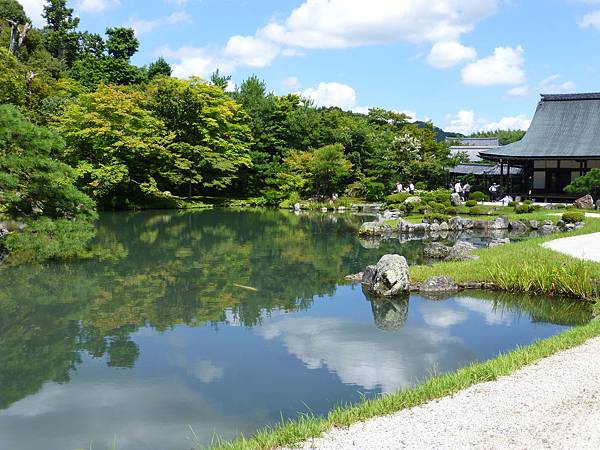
pixel 509 179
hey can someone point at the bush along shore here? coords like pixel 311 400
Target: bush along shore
pixel 523 266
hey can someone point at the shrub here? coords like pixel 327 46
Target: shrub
pixel 421 185
pixel 524 209
pixel 471 203
pixel 374 190
pixel 436 207
pixel 438 196
pixel 397 198
pixel 512 204
pixel 452 211
pixel 528 202
pixel 436 217
pixel 573 216
pixel 479 196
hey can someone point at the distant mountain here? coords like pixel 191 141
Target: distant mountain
pixel 441 135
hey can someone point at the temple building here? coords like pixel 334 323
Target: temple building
pixel 562 143
pixel 472 147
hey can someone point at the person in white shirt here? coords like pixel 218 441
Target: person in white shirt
pixel 411 188
pixel 399 187
pixel 458 188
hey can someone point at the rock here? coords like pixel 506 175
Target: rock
pixel 389 315
pixel 341 208
pixel 297 207
pixel 436 250
pixel 355 278
pixel 404 226
pixel 455 199
pixel 324 210
pixel 569 227
pixel 517 226
pixel 444 226
pixel 375 229
pixel 548 222
pixel 421 227
pixel 499 223
pixel 585 202
pixel 389 277
pixel 480 224
pixel 455 223
pixel 369 242
pixel 413 199
pixel 534 224
pixel 434 227
pixel 499 242
pixel 368 275
pixel 460 251
pixel 439 284
pixel 579 225
pixel 548 229
pixel 387 214
pixel 561 224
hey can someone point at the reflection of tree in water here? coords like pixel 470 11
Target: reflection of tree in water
pixel 389 314
pixel 162 269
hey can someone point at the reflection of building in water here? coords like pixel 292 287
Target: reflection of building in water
pixel 389 314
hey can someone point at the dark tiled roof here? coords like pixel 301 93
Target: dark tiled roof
pixel 565 126
pixel 476 142
pixel 483 169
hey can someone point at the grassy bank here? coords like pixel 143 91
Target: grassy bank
pixel 308 426
pixel 526 266
pixel 519 267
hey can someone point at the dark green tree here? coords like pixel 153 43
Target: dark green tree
pixel 219 80
pixel 159 67
pixel 586 184
pixel 121 43
pixel 61 36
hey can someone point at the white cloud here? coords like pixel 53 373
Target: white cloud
pixel 95 5
pixel 144 26
pixel 291 82
pixel 332 94
pixel 505 66
pixel 449 53
pixel 519 91
pixel 34 10
pixel 465 122
pixel 350 23
pixel 591 20
pixel 344 24
pixel 551 86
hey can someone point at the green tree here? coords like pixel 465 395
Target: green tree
pixel 159 67
pixel 121 42
pixel 13 86
pixel 329 167
pixel 61 36
pixel 212 136
pixel 220 80
pixel 117 146
pixel 586 184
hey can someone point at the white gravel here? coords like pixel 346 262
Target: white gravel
pixel 586 246
pixel 553 404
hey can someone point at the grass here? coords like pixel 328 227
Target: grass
pixel 307 426
pixel 526 266
pixel 523 266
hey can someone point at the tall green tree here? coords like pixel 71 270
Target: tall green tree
pixel 160 67
pixel 212 136
pixel 121 42
pixel 61 31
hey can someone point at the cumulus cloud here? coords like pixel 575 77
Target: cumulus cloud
pixel 505 66
pixel 466 122
pixel 34 10
pixel 551 85
pixel 519 91
pixel 449 53
pixel 332 94
pixel 145 26
pixel 351 23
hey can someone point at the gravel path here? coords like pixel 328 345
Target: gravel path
pixel 586 246
pixel 553 404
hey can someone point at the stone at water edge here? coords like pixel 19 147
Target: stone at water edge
pixel 436 250
pixel 389 277
pixel 355 278
pixel 534 224
pixel 375 229
pixel 517 226
pixel 585 202
pixel 499 242
pixel 439 284
pixel 460 251
pixel 297 207
pixel 499 223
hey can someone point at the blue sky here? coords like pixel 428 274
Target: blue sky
pixel 464 64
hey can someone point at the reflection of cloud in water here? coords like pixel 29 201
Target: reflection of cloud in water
pixel 70 416
pixel 203 370
pixel 493 315
pixel 362 355
pixel 441 315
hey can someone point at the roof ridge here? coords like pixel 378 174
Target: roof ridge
pixel 566 97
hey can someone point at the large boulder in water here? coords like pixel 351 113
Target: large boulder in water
pixel 585 202
pixel 461 251
pixel 378 228
pixel 388 278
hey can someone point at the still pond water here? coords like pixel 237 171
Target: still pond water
pixel 224 321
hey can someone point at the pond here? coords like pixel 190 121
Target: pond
pixel 226 321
